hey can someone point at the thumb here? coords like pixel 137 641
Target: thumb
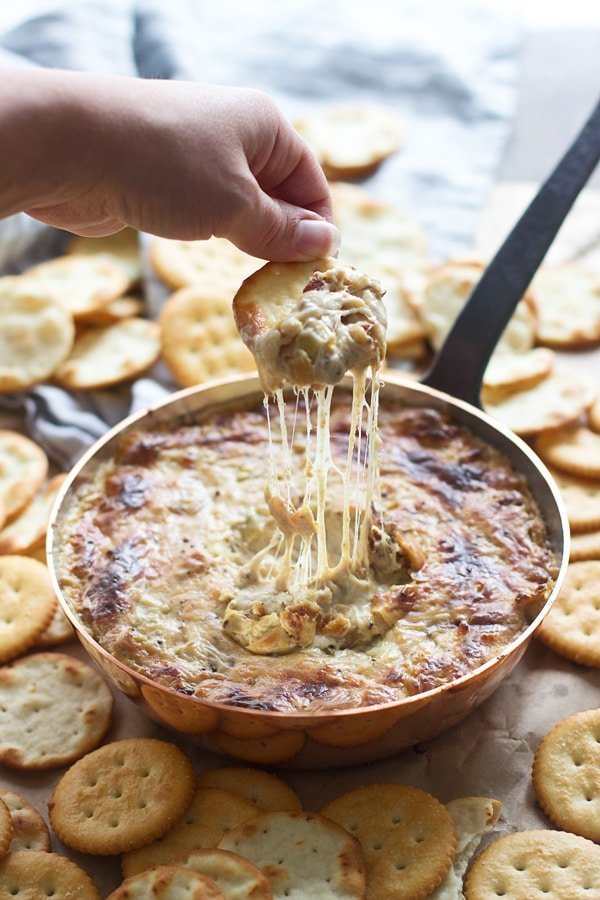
pixel 279 231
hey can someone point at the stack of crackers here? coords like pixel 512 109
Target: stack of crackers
pixel 75 320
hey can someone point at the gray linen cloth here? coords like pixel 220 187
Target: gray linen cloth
pixel 449 70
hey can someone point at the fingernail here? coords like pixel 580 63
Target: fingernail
pixel 316 238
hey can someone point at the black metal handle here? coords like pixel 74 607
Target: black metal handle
pixel 459 366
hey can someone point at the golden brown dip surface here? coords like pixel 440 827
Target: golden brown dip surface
pixel 154 548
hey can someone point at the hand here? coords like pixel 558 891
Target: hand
pixel 177 159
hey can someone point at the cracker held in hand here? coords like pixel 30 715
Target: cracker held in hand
pixel 199 338
pixel 216 266
pixel 573 450
pixel 36 335
pixel 210 813
pixel 167 883
pixel 81 284
pixel 53 709
pixel 472 817
pixel 572 627
pixel 351 140
pixel 308 323
pixel 23 468
pixel 28 529
pixel 235 876
pixel 568 306
pixel 303 855
pixel 582 500
pixel 27 603
pixel 35 875
pixel 566 774
pixel 121 796
pixel 105 356
pixel 407 837
pixel 268 792
pixel 30 831
pixel 556 401
pixel 528 864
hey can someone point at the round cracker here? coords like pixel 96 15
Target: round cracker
pixel 209 815
pixel 27 603
pixel 54 708
pixel 235 876
pixel 36 335
pixel 526 864
pixel 35 874
pixel 216 265
pixel 6 827
pixel 81 284
pixel 446 291
pixel 552 403
pixel 582 500
pixel 407 837
pixel 568 306
pixel 167 883
pixel 58 631
pixel 379 237
pixel 121 796
pixel 105 356
pixel 385 241
pixel 472 817
pixel 351 140
pixel 28 529
pixel 585 546
pixel 572 627
pixel 115 311
pixel 302 854
pixel 594 414
pixel 123 247
pixel 573 450
pixel 508 372
pixel 268 792
pixel 566 774
pixel 199 338
pixel 30 831
pixel 23 468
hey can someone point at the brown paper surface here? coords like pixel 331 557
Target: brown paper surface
pixel 489 753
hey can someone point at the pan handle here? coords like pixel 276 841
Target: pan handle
pixel 459 366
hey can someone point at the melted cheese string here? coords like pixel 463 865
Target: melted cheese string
pixel 305 565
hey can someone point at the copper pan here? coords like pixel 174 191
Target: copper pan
pixel 314 740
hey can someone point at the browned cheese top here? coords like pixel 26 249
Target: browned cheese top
pixel 159 545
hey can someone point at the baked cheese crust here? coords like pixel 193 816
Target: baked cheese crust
pixel 159 545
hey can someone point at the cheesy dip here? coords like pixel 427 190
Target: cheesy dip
pixel 165 553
